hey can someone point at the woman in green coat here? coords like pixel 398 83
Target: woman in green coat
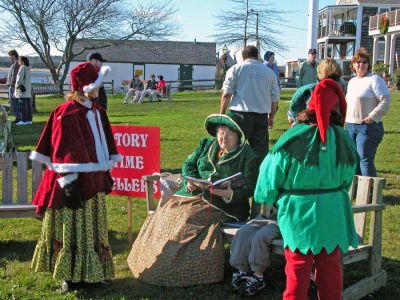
pixel 181 244
pixel 307 175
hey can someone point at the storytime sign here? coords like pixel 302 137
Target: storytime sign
pixel 140 150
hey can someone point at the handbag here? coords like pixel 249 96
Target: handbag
pixel 22 88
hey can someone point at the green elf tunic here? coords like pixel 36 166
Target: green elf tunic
pixel 309 183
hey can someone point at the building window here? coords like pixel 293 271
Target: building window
pixel 382 10
pixel 321 51
pixel 380 56
pixel 329 51
pixel 349 50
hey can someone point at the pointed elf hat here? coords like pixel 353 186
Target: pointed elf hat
pixel 326 97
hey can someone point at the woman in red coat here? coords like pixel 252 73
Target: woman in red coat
pixel 78 148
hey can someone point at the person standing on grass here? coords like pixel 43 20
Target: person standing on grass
pixel 368 99
pixel 78 147
pixel 308 69
pixel 97 61
pixel 251 91
pixel 23 91
pixel 307 175
pixel 269 61
pixel 11 79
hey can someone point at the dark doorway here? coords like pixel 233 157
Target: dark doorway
pixel 185 77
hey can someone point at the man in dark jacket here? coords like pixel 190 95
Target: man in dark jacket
pixel 97 60
pixel 11 79
pixel 135 89
pixel 151 86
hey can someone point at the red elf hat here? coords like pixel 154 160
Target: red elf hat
pixel 326 97
pixel 82 75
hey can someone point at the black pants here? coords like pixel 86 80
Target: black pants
pixel 255 128
pixel 102 98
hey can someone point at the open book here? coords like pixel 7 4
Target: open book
pixel 235 181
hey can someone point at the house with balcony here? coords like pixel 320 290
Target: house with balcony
pixel 344 27
pixel 385 42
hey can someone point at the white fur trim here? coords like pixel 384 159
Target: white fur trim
pixel 63 181
pixel 40 158
pixel 102 73
pixel 103 164
pixel 99 136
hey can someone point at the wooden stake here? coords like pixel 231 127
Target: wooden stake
pixel 130 221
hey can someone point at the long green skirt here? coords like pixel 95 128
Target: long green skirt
pixel 73 245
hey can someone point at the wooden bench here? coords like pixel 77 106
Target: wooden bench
pixel 366 195
pixel 21 208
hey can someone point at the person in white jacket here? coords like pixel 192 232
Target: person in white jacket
pixel 23 93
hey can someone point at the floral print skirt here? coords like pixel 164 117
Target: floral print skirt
pixel 73 244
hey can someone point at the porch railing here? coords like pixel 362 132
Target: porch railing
pixel 336 30
pixel 393 17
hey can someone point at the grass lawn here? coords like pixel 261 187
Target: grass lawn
pixel 182 125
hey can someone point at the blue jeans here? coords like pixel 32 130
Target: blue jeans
pixel 25 106
pixel 366 137
pixel 14 104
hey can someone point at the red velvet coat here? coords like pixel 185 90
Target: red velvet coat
pixel 75 145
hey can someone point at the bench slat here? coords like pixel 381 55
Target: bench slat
pixel 7 178
pixel 17 211
pixel 22 177
pixel 363 197
pixel 36 176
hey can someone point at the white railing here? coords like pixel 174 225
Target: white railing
pixel 393 17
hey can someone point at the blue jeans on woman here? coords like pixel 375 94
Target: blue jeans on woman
pixel 25 107
pixel 366 138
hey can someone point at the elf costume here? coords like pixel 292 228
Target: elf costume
pixel 307 175
pixel 78 148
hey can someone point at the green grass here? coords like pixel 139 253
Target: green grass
pixel 181 123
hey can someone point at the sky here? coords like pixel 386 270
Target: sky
pixel 198 21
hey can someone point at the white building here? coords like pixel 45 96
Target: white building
pixel 343 28
pixel 385 43
pixel 174 60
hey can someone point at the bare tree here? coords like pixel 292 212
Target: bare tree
pixel 250 20
pixel 50 26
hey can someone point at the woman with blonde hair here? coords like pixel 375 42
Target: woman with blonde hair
pixel 368 99
pixel 327 68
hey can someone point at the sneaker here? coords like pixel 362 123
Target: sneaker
pixel 65 286
pixel 252 285
pixel 238 279
pixel 20 123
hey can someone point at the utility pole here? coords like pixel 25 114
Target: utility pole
pixel 312 24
